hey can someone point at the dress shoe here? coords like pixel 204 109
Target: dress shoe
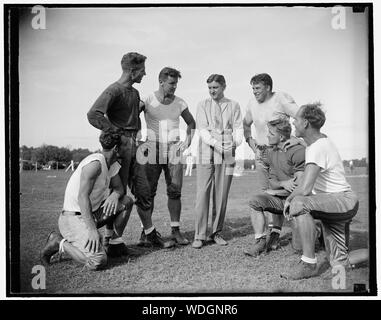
pixel 197 244
pixel 219 240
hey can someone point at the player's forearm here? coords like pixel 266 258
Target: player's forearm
pixel 298 191
pixel 275 184
pixel 190 132
pixel 207 138
pixel 117 192
pixel 246 129
pixel 86 211
pixel 237 137
pixel 98 120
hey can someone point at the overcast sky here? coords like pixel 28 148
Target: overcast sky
pixel 64 68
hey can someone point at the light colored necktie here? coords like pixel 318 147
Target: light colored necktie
pixel 218 122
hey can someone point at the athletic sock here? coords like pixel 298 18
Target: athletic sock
pixel 116 241
pixel 175 223
pixel 276 229
pixel 149 230
pixel 309 260
pixel 61 247
pixel 108 233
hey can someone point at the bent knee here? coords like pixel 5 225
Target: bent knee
pixel 174 192
pixel 298 206
pixel 127 201
pixel 144 203
pixel 257 203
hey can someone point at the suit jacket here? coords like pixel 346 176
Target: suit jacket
pixel 218 122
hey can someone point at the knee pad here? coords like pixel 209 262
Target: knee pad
pixel 173 192
pixel 144 203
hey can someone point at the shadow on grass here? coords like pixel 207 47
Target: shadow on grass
pixel 358 240
pixel 235 228
pixel 135 252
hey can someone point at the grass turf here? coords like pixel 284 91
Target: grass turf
pixel 182 270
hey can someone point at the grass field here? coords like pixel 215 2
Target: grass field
pixel 181 270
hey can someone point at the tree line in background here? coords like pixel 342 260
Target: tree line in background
pixel 61 157
pixel 53 156
pixel 356 163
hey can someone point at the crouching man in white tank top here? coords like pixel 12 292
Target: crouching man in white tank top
pixel 94 197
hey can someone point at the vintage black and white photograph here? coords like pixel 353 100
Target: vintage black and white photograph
pixel 191 150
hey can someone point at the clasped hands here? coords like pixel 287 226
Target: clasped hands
pixel 224 146
pixel 223 142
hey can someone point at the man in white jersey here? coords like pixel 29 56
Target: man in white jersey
pixel 89 204
pixel 323 194
pixel 265 106
pixel 162 110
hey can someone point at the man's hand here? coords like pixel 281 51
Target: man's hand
pixel 111 204
pixel 223 147
pixel 182 145
pixel 93 241
pixel 293 141
pixel 252 144
pixel 142 106
pixel 288 185
pixel 286 210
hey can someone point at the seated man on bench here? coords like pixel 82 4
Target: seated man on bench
pixel 323 194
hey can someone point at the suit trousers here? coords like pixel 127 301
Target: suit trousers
pixel 216 179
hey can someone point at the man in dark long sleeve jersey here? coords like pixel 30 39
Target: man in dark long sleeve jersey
pixel 117 110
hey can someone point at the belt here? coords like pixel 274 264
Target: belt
pixel 127 132
pixel 70 213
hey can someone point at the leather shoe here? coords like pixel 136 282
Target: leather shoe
pixel 117 250
pixel 52 246
pixel 143 242
pixel 274 242
pixel 219 240
pixel 258 247
pixel 197 244
pixel 178 237
pixel 303 270
pixel 154 239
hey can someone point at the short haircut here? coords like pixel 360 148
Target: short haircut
pixel 218 78
pixel 313 114
pixel 109 140
pixel 262 78
pixel 282 126
pixel 169 72
pixel 132 61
